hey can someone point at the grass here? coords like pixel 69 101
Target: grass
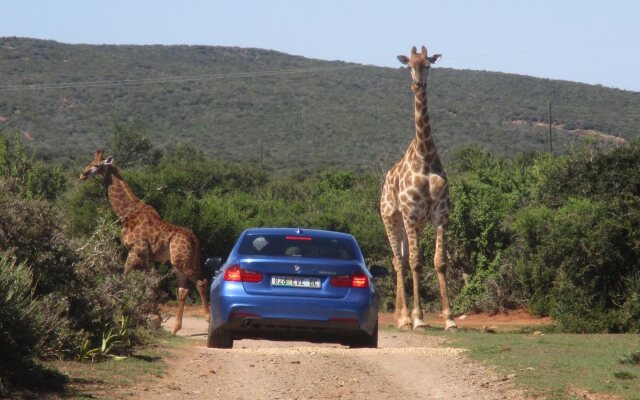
pixel 111 378
pixel 559 366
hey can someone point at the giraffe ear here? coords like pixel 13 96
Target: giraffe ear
pixel 403 59
pixel 108 161
pixel 434 58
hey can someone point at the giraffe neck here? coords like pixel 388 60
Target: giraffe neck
pixel 122 199
pixel 424 144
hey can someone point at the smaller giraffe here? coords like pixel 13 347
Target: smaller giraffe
pixel 148 237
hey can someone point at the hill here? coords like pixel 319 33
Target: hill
pixel 65 100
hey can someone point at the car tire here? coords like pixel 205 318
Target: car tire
pixel 366 341
pixel 219 338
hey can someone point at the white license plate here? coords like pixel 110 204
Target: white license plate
pixel 296 281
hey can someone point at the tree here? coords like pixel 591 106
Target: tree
pixel 130 145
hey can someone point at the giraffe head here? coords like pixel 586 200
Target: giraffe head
pixel 419 64
pixel 97 166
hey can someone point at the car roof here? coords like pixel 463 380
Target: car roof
pixel 297 231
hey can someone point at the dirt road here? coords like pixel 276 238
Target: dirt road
pixel 405 366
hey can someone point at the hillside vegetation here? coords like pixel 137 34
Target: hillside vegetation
pixel 343 115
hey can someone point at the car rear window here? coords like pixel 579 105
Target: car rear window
pixel 297 246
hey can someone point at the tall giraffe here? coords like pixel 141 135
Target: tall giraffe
pixel 149 238
pixel 416 192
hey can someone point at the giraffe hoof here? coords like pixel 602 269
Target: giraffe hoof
pixel 419 324
pixel 450 326
pixel 404 323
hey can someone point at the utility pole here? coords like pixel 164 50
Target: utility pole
pixel 550 123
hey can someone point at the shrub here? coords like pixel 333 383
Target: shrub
pixel 485 191
pixel 131 145
pixel 81 207
pixel 579 266
pixel 632 358
pixel 22 327
pixel 537 276
pixel 31 230
pixel 29 176
pixel 18 324
pixel 629 312
pixel 101 295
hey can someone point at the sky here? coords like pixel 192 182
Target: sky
pixel 595 42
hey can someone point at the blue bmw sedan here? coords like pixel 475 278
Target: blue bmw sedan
pixel 295 284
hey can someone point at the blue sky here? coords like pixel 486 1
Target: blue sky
pixel 596 42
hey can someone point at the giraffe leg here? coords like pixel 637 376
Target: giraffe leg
pixel 182 297
pixel 135 260
pixel 439 262
pixel 415 263
pixel 401 313
pixel 202 285
pixel 395 233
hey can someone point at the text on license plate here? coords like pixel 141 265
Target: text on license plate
pixel 296 281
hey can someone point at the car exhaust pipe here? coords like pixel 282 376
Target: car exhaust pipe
pixel 247 323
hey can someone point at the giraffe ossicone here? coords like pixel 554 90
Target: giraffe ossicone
pixel 416 192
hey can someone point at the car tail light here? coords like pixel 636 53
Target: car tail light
pixel 237 274
pixel 356 281
pixel 341 281
pixel 360 281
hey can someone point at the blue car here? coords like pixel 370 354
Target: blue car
pixel 294 284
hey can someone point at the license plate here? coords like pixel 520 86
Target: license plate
pixel 296 281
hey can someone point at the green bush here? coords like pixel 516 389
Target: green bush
pixel 486 191
pixel 130 145
pixel 559 234
pixel 101 295
pixel 18 322
pixel 28 175
pixel 629 312
pixel 82 206
pixel 579 266
pixel 24 329
pixel 537 275
pixel 32 230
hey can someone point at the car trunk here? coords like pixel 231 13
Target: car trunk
pixel 299 277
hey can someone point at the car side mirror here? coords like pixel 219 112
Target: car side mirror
pixel 378 271
pixel 212 265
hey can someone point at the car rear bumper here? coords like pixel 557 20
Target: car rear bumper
pixel 251 323
pixel 267 316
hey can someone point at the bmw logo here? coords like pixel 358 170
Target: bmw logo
pixel 296 268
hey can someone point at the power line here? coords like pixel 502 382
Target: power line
pixel 188 78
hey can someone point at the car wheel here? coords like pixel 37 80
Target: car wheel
pixel 365 340
pixel 219 338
